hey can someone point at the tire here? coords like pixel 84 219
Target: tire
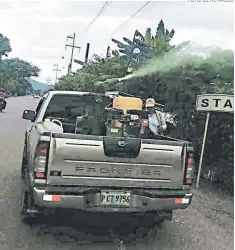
pixel 27 206
pixel 148 233
pixel 142 229
pixel 24 163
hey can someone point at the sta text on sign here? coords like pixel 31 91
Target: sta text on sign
pixel 215 103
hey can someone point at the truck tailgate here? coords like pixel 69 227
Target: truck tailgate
pixel 83 160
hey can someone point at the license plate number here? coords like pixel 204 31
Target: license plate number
pixel 119 199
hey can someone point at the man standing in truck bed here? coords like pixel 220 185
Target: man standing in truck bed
pixel 156 123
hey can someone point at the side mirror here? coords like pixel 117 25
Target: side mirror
pixel 29 115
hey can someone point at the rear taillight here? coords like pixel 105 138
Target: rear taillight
pixel 40 159
pixel 41 149
pixel 145 123
pixel 189 172
pixel 39 175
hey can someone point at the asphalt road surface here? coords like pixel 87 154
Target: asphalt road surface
pixel 207 224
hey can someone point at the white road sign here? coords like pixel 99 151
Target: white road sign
pixel 215 103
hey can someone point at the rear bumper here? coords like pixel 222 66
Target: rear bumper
pixel 139 202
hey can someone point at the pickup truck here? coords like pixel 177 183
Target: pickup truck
pixel 96 173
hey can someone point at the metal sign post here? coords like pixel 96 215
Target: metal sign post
pixel 203 147
pixel 212 103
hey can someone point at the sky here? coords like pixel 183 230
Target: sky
pixel 38 29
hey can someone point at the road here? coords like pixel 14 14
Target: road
pixel 207 224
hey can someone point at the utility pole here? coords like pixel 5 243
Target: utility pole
pixel 72 46
pixel 56 69
pixel 49 81
pixel 108 52
pixel 84 64
pixel 87 53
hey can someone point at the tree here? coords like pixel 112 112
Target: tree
pixel 5 46
pixel 161 41
pixel 10 87
pixel 149 46
pixel 14 71
pixel 98 70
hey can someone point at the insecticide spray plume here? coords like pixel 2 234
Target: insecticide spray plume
pixel 163 64
pixel 184 54
pixel 112 81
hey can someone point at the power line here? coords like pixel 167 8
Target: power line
pixel 139 10
pixel 105 6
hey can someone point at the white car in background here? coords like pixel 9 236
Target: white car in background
pixel 36 96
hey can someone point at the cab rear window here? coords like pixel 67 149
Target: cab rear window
pixel 71 106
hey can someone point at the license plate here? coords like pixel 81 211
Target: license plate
pixel 118 199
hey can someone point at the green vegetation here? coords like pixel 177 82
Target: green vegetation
pixel 149 46
pixel 5 46
pixel 14 70
pixel 174 80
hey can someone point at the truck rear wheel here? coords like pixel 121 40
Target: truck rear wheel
pixel 148 231
pixel 141 228
pixel 29 210
pixel 23 163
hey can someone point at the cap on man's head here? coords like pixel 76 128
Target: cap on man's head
pixel 150 103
